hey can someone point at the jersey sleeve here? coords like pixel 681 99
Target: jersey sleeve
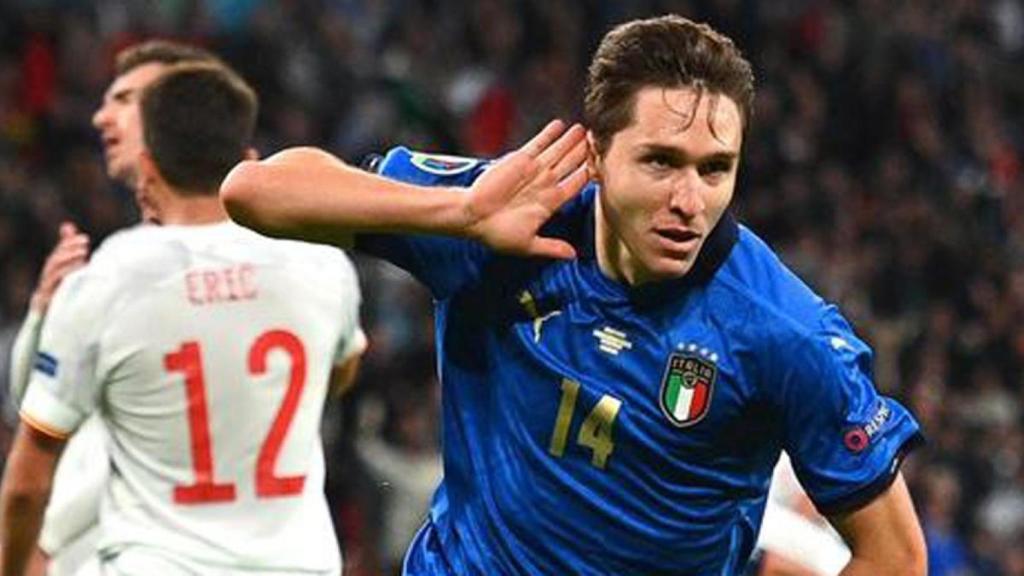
pixel 64 387
pixel 443 264
pixel 23 354
pixel 845 440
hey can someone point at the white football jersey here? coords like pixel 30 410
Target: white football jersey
pixel 71 526
pixel 207 350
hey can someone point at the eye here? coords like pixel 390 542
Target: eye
pixel 659 161
pixel 715 168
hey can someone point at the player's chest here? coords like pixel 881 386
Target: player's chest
pixel 661 378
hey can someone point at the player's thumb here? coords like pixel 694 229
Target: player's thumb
pixel 67 229
pixel 552 248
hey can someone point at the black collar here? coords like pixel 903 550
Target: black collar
pixel 713 254
pixel 716 249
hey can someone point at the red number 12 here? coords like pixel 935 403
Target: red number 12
pixel 188 360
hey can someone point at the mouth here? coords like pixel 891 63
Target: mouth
pixel 678 240
pixel 109 142
pixel 677 234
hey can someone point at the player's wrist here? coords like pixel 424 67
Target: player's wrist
pixel 455 215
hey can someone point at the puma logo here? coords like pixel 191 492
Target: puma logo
pixel 530 305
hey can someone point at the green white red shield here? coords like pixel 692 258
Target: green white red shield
pixel 686 388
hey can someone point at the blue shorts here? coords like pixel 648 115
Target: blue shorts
pixel 425 557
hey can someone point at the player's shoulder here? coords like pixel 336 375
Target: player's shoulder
pixel 770 309
pixel 123 243
pixel 147 247
pixel 103 281
pixel 756 278
pixel 109 261
pixel 323 268
pixel 323 258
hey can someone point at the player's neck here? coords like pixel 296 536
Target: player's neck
pixel 192 210
pixel 609 249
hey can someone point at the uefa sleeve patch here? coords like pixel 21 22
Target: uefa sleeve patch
pixel 858 438
pixel 46 363
pixel 442 164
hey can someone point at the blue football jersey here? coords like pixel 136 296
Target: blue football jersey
pixel 594 428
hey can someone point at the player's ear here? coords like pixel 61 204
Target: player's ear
pixel 593 158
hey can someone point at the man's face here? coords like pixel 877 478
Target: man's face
pixel 119 122
pixel 665 180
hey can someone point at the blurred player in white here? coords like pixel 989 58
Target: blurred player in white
pixel 207 349
pixel 69 533
pixel 795 540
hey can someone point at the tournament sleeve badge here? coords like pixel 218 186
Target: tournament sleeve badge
pixel 442 164
pixel 46 363
pixel 687 387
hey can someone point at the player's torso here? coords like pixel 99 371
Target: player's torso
pixel 637 434
pixel 215 379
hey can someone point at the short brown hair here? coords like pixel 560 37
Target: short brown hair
pixel 667 51
pixel 198 121
pixel 160 52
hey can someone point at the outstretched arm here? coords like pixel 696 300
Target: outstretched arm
pixel 68 255
pixel 308 194
pixel 884 536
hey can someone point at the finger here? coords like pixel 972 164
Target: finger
pixel 67 229
pixel 544 138
pixel 553 153
pixel 70 256
pixel 569 187
pixel 76 241
pixel 72 248
pixel 56 271
pixel 65 256
pixel 575 158
pixel 551 248
pixel 59 273
pixel 68 247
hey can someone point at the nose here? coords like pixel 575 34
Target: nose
pixel 687 194
pixel 101 117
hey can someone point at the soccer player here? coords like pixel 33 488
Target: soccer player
pixel 621 362
pixel 69 534
pixel 207 351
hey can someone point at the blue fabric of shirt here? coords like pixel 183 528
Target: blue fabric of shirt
pixel 671 497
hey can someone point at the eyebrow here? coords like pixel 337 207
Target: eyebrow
pixel 673 152
pixel 120 93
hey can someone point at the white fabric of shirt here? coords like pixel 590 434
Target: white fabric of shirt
pixel 71 526
pixel 112 334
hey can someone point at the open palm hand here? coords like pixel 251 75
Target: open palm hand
pixel 509 203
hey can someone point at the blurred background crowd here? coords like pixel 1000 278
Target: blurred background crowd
pixel 885 164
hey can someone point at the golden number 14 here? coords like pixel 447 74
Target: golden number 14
pixel 595 432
